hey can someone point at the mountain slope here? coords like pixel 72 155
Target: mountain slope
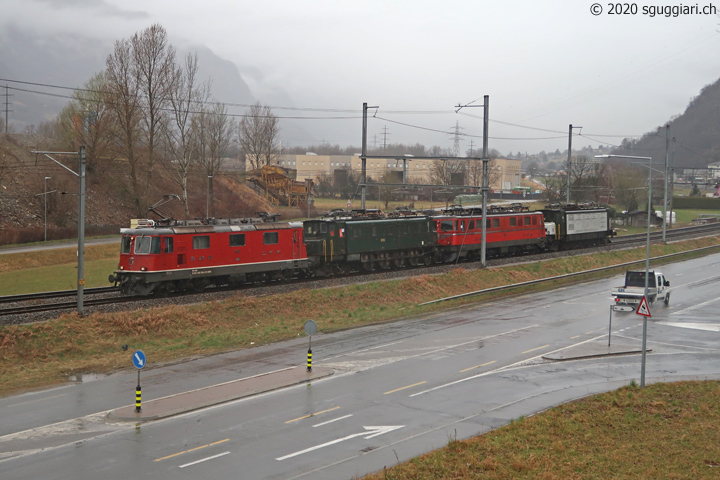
pixel 697 134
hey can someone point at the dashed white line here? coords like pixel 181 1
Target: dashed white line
pixel 331 421
pixel 204 459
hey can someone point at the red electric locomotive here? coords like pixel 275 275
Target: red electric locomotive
pixel 509 231
pixel 189 255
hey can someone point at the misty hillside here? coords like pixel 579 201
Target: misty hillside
pixel 696 131
pixel 71 61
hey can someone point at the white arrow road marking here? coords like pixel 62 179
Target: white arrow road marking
pixel 139 360
pixel 371 432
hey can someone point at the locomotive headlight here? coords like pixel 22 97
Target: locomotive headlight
pixel 143 269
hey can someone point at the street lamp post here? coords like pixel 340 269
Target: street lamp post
pixel 207 198
pixel 45 197
pixel 647 254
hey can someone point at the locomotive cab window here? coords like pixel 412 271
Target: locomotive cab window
pixel 446 226
pixel 201 242
pixel 125 244
pixel 323 228
pixel 142 244
pixel 270 238
pixel 237 240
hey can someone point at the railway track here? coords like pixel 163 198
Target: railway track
pixel 25 308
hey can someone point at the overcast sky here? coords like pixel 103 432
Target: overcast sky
pixel 544 64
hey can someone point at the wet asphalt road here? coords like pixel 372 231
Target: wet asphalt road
pixel 398 390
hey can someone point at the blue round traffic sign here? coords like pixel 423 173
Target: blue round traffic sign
pixel 139 359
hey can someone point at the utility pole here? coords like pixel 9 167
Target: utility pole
pixel 485 182
pixel 570 129
pixel 665 198
pixel 363 156
pixel 456 141
pixel 7 107
pixel 81 217
pixel 385 135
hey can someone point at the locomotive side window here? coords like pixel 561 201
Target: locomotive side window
pixel 323 228
pixel 168 245
pixel 155 247
pixel 237 240
pixel 270 238
pixel 201 242
pixel 513 222
pixel 527 220
pixel 142 244
pixel 472 225
pixel 125 244
pixel 496 222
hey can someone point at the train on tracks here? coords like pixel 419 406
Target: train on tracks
pixel 189 255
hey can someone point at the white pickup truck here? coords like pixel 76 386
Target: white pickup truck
pixel 633 291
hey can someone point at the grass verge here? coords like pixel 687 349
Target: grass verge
pixel 43 354
pixel 662 431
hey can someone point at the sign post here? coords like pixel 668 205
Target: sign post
pixel 610 325
pixel 310 329
pixel 139 362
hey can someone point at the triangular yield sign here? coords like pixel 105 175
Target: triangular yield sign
pixel 643 308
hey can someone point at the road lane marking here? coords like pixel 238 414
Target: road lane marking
pixel 477 366
pixel 538 348
pixel 484 374
pixel 36 400
pixel 331 421
pixel 312 415
pixel 576 336
pixel 192 450
pixel 204 459
pixel 588 333
pixel 403 388
pixel 371 432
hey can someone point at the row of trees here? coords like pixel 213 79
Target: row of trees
pixel 151 110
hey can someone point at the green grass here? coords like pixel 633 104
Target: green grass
pixel 56 277
pixel 663 431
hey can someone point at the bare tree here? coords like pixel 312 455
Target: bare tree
pixel 185 98
pixel 122 97
pixel 88 121
pixel 213 130
pixel 258 136
pixel 447 171
pixel 154 65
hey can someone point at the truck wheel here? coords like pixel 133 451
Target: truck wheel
pixel 667 299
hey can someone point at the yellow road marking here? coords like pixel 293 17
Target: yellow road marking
pixel 312 415
pixel 538 348
pixel 192 450
pixel 576 336
pixel 588 333
pixel 37 400
pixel 477 366
pixel 403 388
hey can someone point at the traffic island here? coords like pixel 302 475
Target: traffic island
pixel 216 394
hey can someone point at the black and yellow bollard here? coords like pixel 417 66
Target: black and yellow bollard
pixel 309 366
pixel 138 398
